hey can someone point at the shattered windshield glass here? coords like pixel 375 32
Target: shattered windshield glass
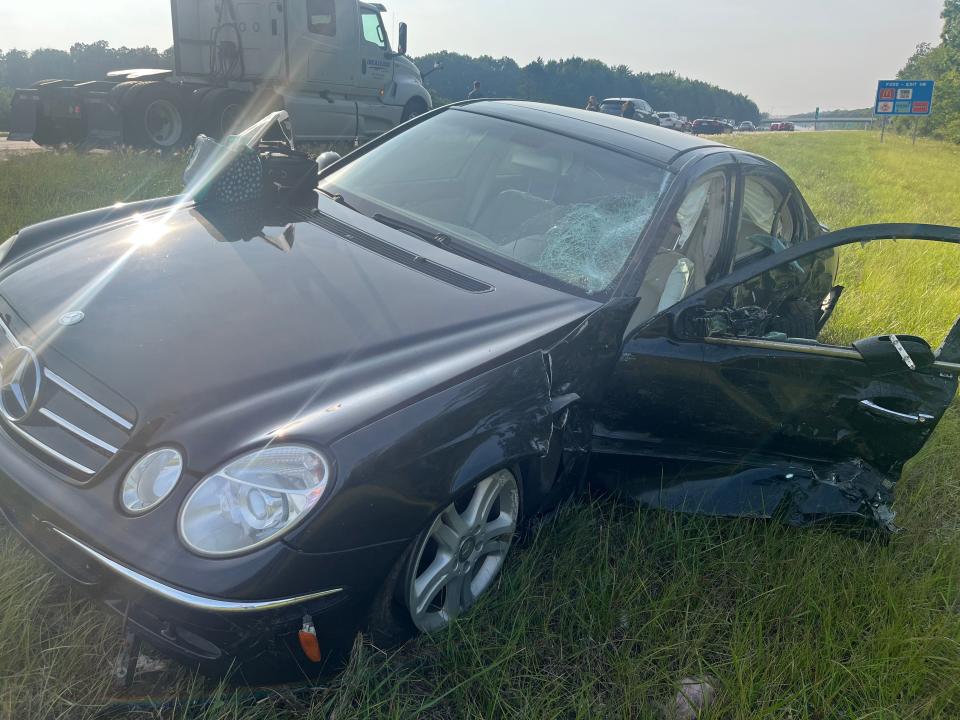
pixel 561 207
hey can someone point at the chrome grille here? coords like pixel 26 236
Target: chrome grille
pixel 69 427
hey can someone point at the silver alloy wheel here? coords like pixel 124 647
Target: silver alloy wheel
pixel 462 553
pixel 163 123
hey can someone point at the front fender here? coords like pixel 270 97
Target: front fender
pixel 395 473
pixel 407 89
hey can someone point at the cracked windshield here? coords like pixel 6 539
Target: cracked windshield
pixel 548 203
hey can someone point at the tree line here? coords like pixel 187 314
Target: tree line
pixel 573 80
pixel 940 63
pixel 565 82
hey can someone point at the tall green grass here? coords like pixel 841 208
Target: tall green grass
pixel 46 185
pixel 603 607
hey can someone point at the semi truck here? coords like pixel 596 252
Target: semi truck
pixel 328 63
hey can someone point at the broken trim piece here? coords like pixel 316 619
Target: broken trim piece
pixel 827 350
pixel 796 495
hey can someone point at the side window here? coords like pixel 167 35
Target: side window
pixel 322 17
pixel 372 29
pixel 768 220
pixel 689 249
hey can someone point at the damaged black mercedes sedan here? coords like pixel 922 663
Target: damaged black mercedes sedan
pixel 254 431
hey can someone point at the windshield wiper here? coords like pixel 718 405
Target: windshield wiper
pixel 431 236
pixel 451 244
pixel 337 198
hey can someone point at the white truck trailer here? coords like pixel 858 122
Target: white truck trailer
pixel 328 63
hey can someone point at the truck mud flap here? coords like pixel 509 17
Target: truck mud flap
pixel 104 123
pixel 23 114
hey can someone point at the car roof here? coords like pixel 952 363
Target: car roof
pixel 659 144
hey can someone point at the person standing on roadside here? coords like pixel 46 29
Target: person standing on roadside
pixel 592 104
pixel 476 92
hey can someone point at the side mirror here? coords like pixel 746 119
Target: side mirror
pixel 436 66
pixel 402 39
pixel 326 160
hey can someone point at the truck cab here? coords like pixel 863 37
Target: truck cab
pixel 330 61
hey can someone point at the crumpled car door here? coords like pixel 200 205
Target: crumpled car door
pixel 707 413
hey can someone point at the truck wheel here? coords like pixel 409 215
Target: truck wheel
pixel 118 91
pixel 48 134
pixel 221 111
pixel 154 116
pixel 415 106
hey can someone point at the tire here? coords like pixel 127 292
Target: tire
pixel 222 111
pixel 415 106
pixel 451 564
pixel 118 91
pixel 155 116
pixel 48 134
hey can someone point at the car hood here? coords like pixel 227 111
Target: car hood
pixel 202 328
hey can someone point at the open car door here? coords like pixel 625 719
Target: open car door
pixel 712 411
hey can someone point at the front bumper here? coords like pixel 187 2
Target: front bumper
pixel 258 639
pixel 182 597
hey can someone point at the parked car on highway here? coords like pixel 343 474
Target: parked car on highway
pixel 670 120
pixel 774 126
pixel 787 127
pixel 253 430
pixel 641 108
pixel 746 126
pixel 710 126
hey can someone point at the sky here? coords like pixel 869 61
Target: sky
pixel 787 56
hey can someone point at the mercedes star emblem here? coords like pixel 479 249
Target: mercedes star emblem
pixel 19 383
pixel 72 317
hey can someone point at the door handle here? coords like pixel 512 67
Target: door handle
pixel 916 419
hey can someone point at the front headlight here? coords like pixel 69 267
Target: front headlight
pixel 253 500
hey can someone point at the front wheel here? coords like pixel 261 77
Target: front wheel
pixel 415 106
pixel 452 563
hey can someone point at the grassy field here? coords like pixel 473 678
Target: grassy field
pixel 604 608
